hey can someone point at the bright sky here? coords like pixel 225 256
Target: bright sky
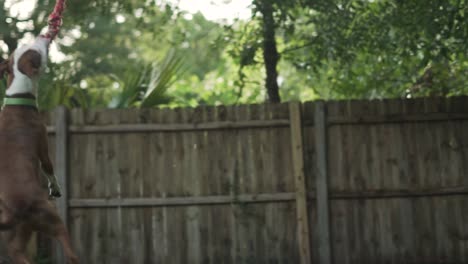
pixel 216 10
pixel 212 9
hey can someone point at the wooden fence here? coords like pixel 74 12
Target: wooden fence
pixel 336 182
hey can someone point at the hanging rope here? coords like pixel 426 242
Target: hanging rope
pixel 55 20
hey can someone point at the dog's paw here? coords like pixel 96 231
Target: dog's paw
pixel 54 191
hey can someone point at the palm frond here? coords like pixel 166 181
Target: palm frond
pixel 147 85
pixel 133 86
pixel 161 78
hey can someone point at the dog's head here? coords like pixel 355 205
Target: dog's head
pixel 25 65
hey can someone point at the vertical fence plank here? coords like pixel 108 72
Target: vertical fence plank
pixel 300 180
pixel 323 224
pixel 61 159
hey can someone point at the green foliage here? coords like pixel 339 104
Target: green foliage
pixel 160 79
pixel 332 49
pixel 376 49
pixel 218 87
pixel 146 86
pixel 60 92
pixel 365 49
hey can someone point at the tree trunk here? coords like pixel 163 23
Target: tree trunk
pixel 270 51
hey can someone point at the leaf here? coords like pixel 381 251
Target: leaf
pixel 132 85
pixel 162 77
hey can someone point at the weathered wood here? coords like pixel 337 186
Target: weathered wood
pixel 393 186
pixel 255 167
pixel 396 118
pixel 154 173
pixel 181 201
pixel 219 240
pixel 332 120
pixel 338 216
pixel 136 128
pixel 399 193
pixel 131 180
pixel 109 182
pixel 99 222
pixel 61 160
pixel 78 218
pixel 113 223
pixel 193 187
pixel 323 207
pixel 239 181
pixel 204 147
pixel 61 168
pixel 92 188
pixel 301 183
pixel 263 198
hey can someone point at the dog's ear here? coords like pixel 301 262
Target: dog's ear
pixel 4 67
pixel 30 63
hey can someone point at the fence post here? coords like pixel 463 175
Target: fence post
pixel 323 209
pixel 300 181
pixel 61 169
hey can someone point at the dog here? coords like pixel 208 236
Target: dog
pixel 25 206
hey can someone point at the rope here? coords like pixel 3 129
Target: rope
pixel 55 20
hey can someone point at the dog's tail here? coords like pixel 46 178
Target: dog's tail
pixel 6 217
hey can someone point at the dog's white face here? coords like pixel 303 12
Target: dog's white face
pixel 24 67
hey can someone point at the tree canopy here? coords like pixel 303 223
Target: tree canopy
pixel 130 53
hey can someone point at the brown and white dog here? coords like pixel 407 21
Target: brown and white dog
pixel 24 203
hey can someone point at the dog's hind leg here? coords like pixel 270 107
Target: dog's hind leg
pixel 17 240
pixel 47 221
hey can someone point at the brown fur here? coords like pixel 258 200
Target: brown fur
pixel 30 63
pixel 24 203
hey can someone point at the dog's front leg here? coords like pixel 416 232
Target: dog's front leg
pixel 47 167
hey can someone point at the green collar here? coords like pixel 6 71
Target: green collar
pixel 19 101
